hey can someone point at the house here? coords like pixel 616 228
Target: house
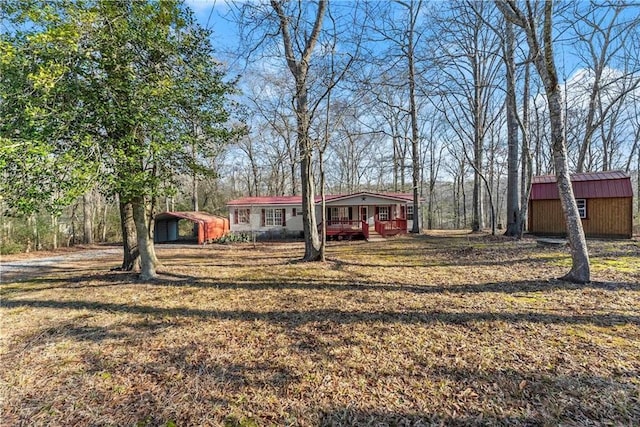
pixel 206 227
pixel 605 204
pixel 364 214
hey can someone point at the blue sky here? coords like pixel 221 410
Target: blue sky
pixel 212 14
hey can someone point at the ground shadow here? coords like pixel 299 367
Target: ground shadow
pixel 295 318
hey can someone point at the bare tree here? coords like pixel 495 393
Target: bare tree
pixel 540 42
pixel 299 41
pixel 514 220
pixel 603 33
pixel 398 27
pixel 469 65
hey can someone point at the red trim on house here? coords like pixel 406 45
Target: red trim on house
pixel 297 200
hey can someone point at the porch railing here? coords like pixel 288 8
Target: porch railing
pixel 391 227
pixel 365 229
pixel 344 224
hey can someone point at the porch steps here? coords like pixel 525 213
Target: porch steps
pixel 374 236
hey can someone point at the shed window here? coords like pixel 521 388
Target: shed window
pixel 582 207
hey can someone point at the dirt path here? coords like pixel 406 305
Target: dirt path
pixel 20 268
pixel 24 266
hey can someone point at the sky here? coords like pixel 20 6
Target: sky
pixel 213 14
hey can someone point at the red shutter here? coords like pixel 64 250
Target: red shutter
pixel 350 213
pixel 284 217
pixel 262 219
pixel 377 213
pixel 235 216
pixel 293 212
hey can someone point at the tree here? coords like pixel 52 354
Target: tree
pixel 514 220
pixel 41 114
pixel 398 29
pixel 123 81
pixel 604 34
pixel 540 42
pixel 298 63
pixel 469 68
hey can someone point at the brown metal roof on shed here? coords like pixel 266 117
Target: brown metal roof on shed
pixel 590 185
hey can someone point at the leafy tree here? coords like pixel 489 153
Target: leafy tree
pixel 47 159
pixel 133 83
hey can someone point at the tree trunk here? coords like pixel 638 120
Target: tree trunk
pixel 87 220
pixel 477 221
pixel 312 243
pixel 415 137
pixel 54 230
pixel 545 65
pixel 527 169
pixel 514 225
pixel 299 69
pixel 580 269
pixel 195 200
pixel 131 254
pixel 145 243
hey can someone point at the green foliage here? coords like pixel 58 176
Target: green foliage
pixel 125 94
pixel 10 247
pixel 234 237
pixel 44 159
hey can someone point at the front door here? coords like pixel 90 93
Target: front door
pixel 364 215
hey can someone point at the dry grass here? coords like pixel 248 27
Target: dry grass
pixel 452 329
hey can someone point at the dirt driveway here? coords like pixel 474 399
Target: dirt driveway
pixel 35 264
pixel 24 268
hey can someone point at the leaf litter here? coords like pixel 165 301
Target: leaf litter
pixel 447 329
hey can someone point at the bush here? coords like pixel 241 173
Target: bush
pixel 233 238
pixel 8 248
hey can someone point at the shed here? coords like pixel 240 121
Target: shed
pixel 207 227
pixel 605 203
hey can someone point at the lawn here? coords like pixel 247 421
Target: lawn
pixel 444 329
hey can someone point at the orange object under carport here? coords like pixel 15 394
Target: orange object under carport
pixel 208 227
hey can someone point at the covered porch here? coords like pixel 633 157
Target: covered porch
pixel 365 220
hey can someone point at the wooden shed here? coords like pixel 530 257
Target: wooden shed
pixel 605 203
pixel 207 227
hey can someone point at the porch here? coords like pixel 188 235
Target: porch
pixel 348 230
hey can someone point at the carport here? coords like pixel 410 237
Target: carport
pixel 207 227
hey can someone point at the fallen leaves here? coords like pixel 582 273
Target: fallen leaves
pixel 446 329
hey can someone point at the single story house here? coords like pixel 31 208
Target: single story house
pixel 364 214
pixel 605 203
pixel 206 227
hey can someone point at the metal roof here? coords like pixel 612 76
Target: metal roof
pixel 199 216
pixel 589 185
pixel 297 200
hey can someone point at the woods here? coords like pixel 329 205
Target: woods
pixel 115 111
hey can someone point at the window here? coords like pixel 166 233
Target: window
pixel 383 213
pixel 582 207
pixel 294 212
pixel 273 217
pixel 409 211
pixel 243 216
pixel 337 215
